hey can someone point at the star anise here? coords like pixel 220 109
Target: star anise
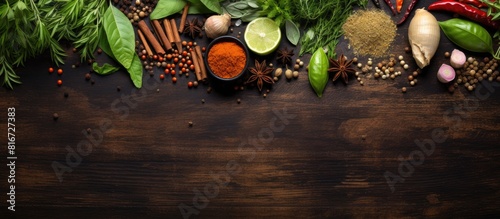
pixel 285 55
pixel 192 27
pixel 341 67
pixel 261 73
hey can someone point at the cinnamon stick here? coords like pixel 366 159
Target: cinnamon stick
pixel 183 18
pixel 145 43
pixel 168 30
pixel 197 50
pixel 176 34
pixel 151 38
pixel 197 68
pixel 161 34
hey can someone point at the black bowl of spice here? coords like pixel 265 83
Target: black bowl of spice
pixel 227 59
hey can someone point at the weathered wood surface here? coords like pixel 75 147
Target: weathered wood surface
pixel 329 160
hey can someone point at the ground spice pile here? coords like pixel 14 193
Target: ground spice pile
pixel 226 59
pixel 370 32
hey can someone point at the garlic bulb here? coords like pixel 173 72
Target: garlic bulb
pixel 217 25
pixel 423 34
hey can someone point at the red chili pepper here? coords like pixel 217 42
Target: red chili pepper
pixel 476 3
pixel 408 11
pixel 399 5
pixel 468 11
pixel 389 3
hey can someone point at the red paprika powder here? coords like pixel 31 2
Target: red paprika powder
pixel 226 59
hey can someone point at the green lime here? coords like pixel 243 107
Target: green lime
pixel 262 36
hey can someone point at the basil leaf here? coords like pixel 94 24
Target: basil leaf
pixel 105 69
pixel 467 34
pixel 104 44
pixel 165 8
pixel 120 34
pixel 135 71
pixel 318 71
pixel 292 32
pixel 212 5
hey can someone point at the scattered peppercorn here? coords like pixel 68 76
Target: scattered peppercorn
pixel 87 76
pixel 118 88
pixel 403 89
pixel 447 55
pixel 238 101
pixel 55 116
pixel 174 80
pixel 59 71
pixel 59 82
pixel 51 70
pixel 66 94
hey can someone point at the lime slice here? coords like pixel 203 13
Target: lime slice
pixel 262 36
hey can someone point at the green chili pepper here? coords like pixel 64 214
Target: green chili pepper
pixel 318 71
pixel 468 35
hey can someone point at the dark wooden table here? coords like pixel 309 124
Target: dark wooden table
pixel 290 155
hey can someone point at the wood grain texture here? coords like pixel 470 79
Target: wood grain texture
pixel 326 162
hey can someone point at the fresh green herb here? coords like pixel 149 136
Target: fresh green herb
pixel 318 71
pixel 120 34
pixel 494 12
pixel 292 32
pixel 135 71
pixel 120 43
pixel 279 11
pixel 105 69
pixel 212 5
pixel 87 38
pixel 165 8
pixel 468 35
pixel 30 27
pixel 247 10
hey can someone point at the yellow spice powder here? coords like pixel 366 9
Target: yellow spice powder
pixel 370 32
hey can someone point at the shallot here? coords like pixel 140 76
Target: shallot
pixel 217 25
pixel 457 59
pixel 423 34
pixel 446 73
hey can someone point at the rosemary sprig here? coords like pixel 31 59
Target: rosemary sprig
pixel 30 27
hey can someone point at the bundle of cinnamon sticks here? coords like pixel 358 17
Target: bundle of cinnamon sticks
pixel 168 35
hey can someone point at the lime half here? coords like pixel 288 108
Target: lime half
pixel 262 36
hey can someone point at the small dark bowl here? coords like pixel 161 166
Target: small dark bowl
pixel 227 39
